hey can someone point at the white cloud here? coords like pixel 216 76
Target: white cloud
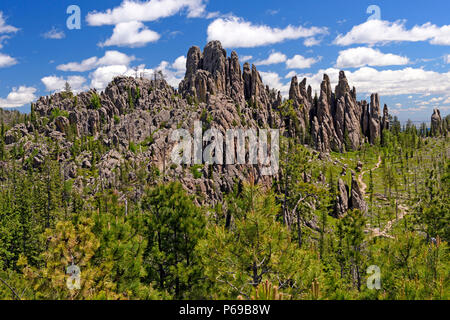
pixel 110 58
pixel 131 34
pixel 447 58
pixel 132 11
pixel 361 56
pixel 274 58
pixel 388 82
pixel 4 28
pixel 238 33
pixel 103 75
pixel 273 80
pixel 54 34
pixel 245 58
pixel 173 72
pixel 3 38
pixel 380 32
pixel 180 64
pixel 6 61
pixel 436 100
pixel 57 84
pixel 212 15
pixel 18 97
pixel 309 42
pixel 300 62
pixel 290 75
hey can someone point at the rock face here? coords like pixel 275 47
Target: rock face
pixel 374 118
pixel 436 123
pixel 385 122
pixel 349 200
pixel 338 121
pixel 356 199
pixel 212 73
pixel 133 118
pixel 341 204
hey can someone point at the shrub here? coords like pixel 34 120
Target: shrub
pixel 95 101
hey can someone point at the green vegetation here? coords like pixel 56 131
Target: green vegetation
pixel 139 236
pixel 95 101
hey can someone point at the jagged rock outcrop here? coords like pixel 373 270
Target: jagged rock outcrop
pixel 339 122
pixel 302 102
pixel 374 118
pixel 436 123
pixel 212 73
pixel 341 204
pixel 357 199
pixel 385 121
pixel 346 199
pixel 133 119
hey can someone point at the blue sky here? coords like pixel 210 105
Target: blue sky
pixel 403 53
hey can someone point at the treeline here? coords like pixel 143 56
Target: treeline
pixel 161 245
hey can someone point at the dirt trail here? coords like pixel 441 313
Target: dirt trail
pixel 376 232
pixel 362 185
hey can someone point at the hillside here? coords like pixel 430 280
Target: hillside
pixel 89 180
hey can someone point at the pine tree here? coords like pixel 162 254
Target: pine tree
pixel 173 225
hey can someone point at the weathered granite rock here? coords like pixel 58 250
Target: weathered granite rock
pixel 136 116
pixel 374 118
pixel 385 120
pixel 341 204
pixel 356 199
pixel 436 123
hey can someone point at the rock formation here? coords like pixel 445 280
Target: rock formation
pixel 341 204
pixel 436 123
pixel 349 199
pixel 134 117
pixel 357 201
pixel 339 122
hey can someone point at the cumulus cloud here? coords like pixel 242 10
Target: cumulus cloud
pixel 381 32
pixel 18 97
pixel 180 64
pixel 57 84
pixel 54 34
pixel 310 42
pixel 361 56
pixel 6 61
pixel 245 58
pixel 274 58
pixel 173 72
pixel 152 10
pixel 131 34
pixel 300 62
pixel 4 28
pixel 238 33
pixel 103 75
pixel 406 81
pixel 273 80
pixel 110 58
